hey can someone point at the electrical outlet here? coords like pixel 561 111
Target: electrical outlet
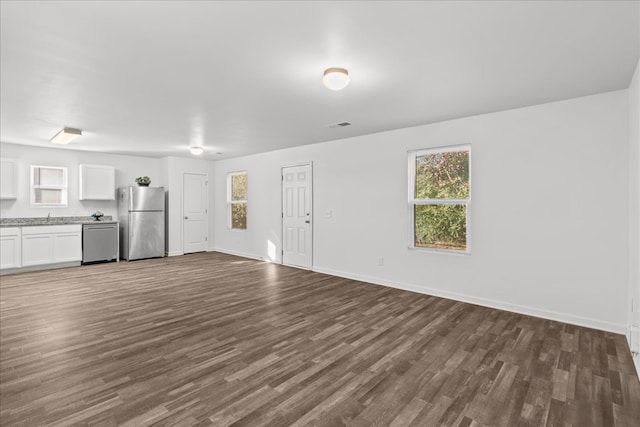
pixel 380 261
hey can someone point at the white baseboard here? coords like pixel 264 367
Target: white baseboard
pixel 175 253
pixel 40 267
pixel 237 253
pixel 485 302
pixel 633 339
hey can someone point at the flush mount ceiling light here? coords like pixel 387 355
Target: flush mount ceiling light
pixel 66 135
pixel 196 150
pixel 336 78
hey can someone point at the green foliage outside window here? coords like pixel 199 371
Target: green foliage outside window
pixel 239 201
pixel 441 176
pixel 239 187
pixel 239 216
pixel 441 226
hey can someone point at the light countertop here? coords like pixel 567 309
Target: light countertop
pixel 54 220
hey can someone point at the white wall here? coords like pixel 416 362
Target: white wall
pixel 127 169
pixel 548 221
pixel 634 205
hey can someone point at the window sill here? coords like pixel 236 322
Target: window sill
pixel 440 251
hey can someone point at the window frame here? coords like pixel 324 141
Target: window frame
pixel 413 202
pixel 231 202
pixel 64 187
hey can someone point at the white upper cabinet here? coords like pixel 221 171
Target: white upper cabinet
pixel 8 179
pixel 97 182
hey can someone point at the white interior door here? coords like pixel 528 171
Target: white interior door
pixel 297 237
pixel 194 207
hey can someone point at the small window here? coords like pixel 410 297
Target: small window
pixel 48 186
pixel 237 200
pixel 440 198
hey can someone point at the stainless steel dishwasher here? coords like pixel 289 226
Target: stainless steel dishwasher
pixel 99 242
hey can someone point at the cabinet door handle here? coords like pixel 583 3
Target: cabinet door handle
pixel 186 217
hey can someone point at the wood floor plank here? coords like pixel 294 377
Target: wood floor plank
pixel 213 339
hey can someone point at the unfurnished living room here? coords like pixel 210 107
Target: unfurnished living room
pixel 320 213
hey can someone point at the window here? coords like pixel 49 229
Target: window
pixel 237 200
pixel 439 198
pixel 48 186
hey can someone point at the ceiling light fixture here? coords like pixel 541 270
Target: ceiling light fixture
pixel 336 78
pixel 66 135
pixel 196 150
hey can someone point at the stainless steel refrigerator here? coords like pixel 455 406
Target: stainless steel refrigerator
pixel 141 215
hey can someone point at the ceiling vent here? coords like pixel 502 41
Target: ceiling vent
pixel 339 125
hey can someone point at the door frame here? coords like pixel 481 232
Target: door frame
pixel 311 207
pixel 182 230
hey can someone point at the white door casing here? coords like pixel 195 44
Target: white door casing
pixel 297 218
pixel 195 213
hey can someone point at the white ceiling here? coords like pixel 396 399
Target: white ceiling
pixel 150 78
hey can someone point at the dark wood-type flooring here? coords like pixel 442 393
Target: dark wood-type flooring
pixel 212 339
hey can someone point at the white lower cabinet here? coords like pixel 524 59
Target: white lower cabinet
pixel 10 252
pixel 36 249
pixel 67 246
pixel 50 244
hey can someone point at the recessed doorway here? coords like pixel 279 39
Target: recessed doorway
pixel 195 200
pixel 297 216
